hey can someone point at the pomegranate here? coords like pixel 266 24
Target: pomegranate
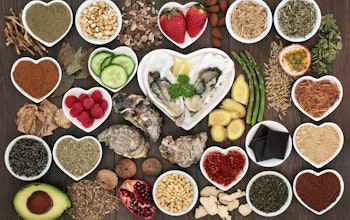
pixel 295 59
pixel 136 196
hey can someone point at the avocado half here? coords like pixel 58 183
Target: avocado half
pixel 40 201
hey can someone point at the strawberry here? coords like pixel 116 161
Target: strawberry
pixel 173 23
pixel 196 17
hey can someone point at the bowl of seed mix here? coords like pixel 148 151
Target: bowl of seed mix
pixel 297 21
pixel 98 21
pixel 28 157
pixel 248 21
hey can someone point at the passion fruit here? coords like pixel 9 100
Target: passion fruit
pixel 295 59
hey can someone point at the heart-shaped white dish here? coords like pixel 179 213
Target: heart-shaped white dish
pixel 59 164
pixel 184 8
pixel 223 84
pixel 334 126
pixel 35 62
pixel 35 36
pixel 330 78
pixel 117 51
pixel 78 91
pixel 215 149
pixel 317 188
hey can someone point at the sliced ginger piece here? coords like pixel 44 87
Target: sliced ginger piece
pixel 240 90
pixel 235 129
pixel 210 191
pixel 218 133
pixel 210 204
pixel 233 106
pixel 200 212
pixel 244 209
pixel 223 212
pixel 219 117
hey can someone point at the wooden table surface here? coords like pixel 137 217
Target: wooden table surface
pixel 11 100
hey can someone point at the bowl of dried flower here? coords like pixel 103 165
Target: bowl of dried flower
pixel 98 21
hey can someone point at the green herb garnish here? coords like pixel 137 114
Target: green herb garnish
pixel 181 88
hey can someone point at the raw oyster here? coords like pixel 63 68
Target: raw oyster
pixel 125 140
pixel 140 112
pixel 185 150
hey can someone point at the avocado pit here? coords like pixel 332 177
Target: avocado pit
pixel 39 202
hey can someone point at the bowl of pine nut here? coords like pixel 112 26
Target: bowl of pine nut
pixel 175 192
pixel 98 21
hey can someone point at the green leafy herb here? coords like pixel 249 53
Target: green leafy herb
pixel 181 88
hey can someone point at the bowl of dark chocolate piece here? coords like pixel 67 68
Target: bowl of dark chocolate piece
pixel 268 143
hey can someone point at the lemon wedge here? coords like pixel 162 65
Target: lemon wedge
pixel 181 67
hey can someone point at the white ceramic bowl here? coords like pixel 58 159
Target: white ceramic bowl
pixel 299 39
pixel 26 178
pixel 36 100
pixel 94 40
pixel 285 205
pixel 78 91
pixel 224 152
pixel 26 27
pixel 117 51
pixel 318 174
pixel 58 163
pixel 184 8
pixel 240 38
pixel 195 192
pixel 341 142
pixel 274 126
pixel 332 108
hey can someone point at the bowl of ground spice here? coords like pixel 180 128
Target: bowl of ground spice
pixel 317 97
pixel 269 193
pixel 36 79
pixel 297 21
pixel 98 21
pixel 248 21
pixel 318 192
pixel 28 157
pixel 49 22
pixel 318 145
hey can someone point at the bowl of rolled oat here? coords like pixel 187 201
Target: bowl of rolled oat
pixel 98 21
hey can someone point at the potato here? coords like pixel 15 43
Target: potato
pixel 233 106
pixel 218 133
pixel 219 117
pixel 235 129
pixel 240 90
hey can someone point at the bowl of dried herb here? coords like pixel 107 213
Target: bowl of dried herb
pixel 297 21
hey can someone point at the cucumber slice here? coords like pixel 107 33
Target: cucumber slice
pixel 97 60
pixel 106 62
pixel 114 76
pixel 125 61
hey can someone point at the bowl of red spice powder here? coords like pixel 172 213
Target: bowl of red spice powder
pixel 36 79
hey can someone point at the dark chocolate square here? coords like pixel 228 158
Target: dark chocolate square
pixel 258 142
pixel 276 144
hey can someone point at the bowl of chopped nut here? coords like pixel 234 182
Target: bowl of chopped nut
pixel 98 21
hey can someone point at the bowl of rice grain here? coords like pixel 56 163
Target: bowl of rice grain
pixel 248 21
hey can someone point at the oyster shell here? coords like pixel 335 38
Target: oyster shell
pixel 185 150
pixel 125 140
pixel 140 112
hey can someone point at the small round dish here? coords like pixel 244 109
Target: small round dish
pixel 297 39
pixel 22 177
pixel 96 41
pixel 273 125
pixel 330 78
pixel 185 177
pixel 286 203
pixel 240 38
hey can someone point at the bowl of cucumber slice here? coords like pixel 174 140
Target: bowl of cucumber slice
pixel 113 69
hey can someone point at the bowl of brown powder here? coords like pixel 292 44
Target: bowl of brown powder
pixel 248 21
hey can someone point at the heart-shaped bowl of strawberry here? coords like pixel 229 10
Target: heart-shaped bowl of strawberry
pixel 224 168
pixel 87 109
pixel 182 24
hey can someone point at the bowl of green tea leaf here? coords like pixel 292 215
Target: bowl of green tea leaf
pixel 49 22
pixel 297 21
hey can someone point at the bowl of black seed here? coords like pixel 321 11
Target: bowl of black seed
pixel 28 157
pixel 269 193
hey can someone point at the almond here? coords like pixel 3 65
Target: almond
pixel 221 22
pixel 223 5
pixel 214 19
pixel 214 9
pixel 216 42
pixel 209 3
pixel 215 32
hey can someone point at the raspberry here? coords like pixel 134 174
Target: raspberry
pixel 104 104
pixel 70 100
pixel 88 103
pixel 83 117
pixel 88 123
pixel 96 95
pixel 82 97
pixel 77 107
pixel 97 111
